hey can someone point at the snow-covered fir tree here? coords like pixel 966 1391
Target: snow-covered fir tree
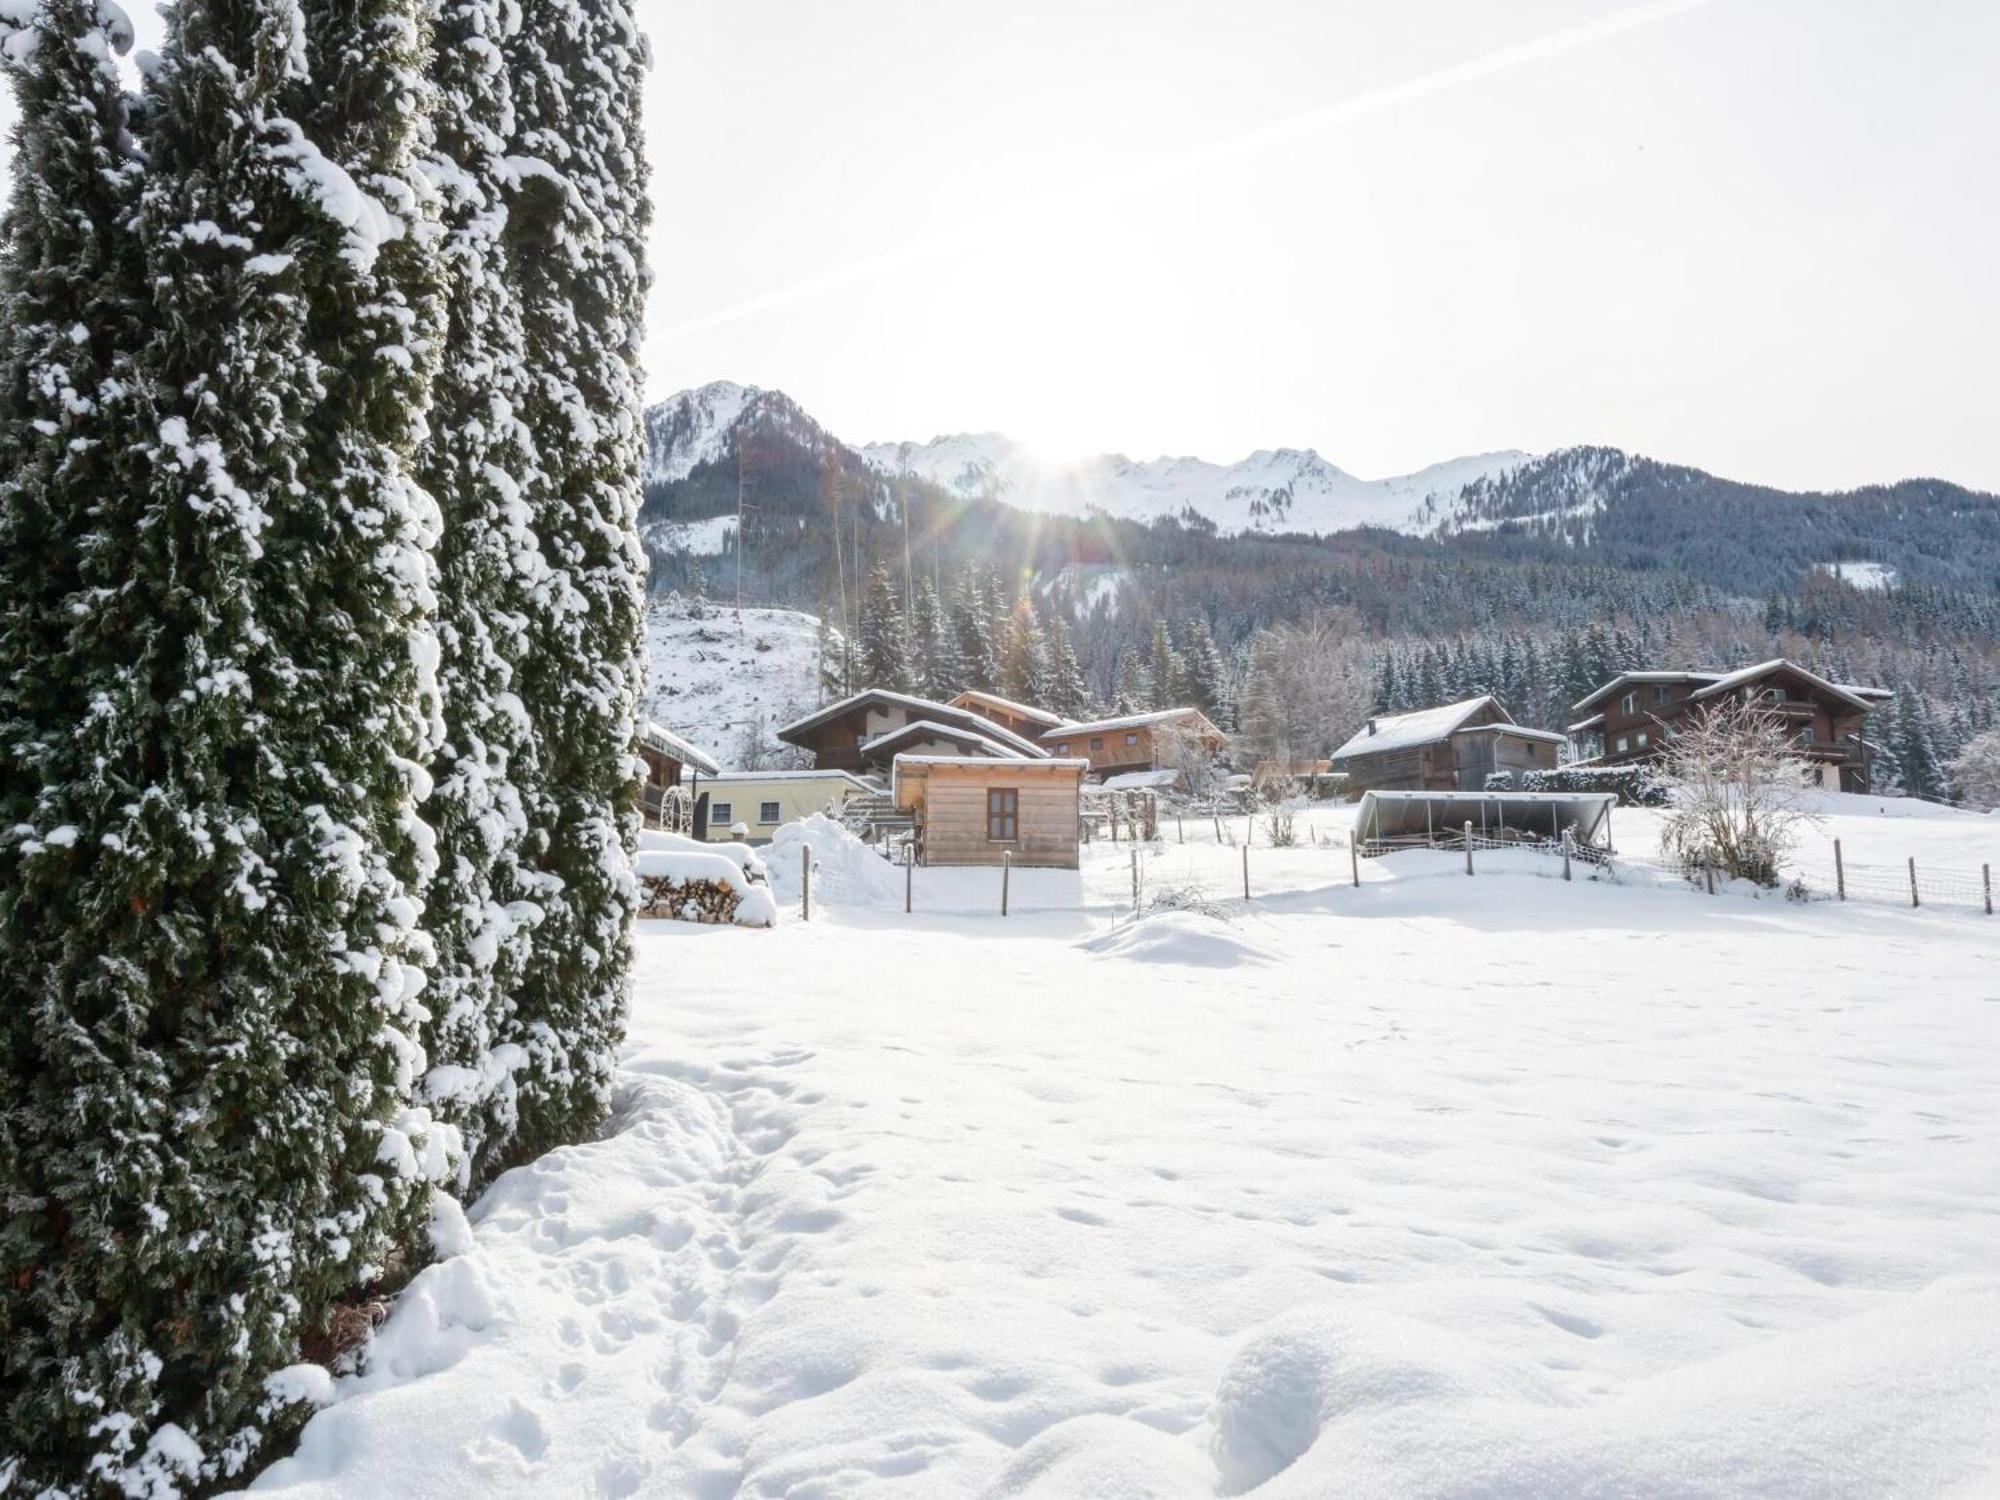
pixel 1024 667
pixel 934 648
pixel 1163 668
pixel 490 569
pixel 884 634
pixel 577 235
pixel 1067 693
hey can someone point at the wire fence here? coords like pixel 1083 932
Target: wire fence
pixel 1914 883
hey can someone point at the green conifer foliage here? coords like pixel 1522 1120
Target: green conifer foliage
pixel 490 571
pixel 231 1023
pixel 576 232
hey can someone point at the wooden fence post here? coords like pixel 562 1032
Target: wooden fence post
pixel 1246 872
pixel 1135 882
pixel 909 875
pixel 1839 871
pixel 1468 846
pixel 1180 827
pixel 1915 900
pixel 1006 869
pixel 806 883
pixel 1354 856
pixel 1708 877
pixel 1986 879
pixel 1566 844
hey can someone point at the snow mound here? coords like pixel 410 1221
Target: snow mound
pixel 1104 1457
pixel 744 857
pixel 1179 937
pixel 846 872
pixel 755 908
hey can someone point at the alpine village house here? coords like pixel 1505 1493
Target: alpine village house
pixel 1630 716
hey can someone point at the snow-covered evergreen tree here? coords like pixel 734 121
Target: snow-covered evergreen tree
pixel 233 1150
pixel 576 236
pixel 884 636
pixel 1201 674
pixel 933 646
pixel 1163 668
pixel 75 1319
pixel 1067 694
pixel 1024 668
pixel 490 571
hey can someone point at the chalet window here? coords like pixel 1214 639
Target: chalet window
pixel 1624 744
pixel 1097 742
pixel 1063 748
pixel 1629 704
pixel 1003 814
pixel 1642 742
pixel 1806 735
pixel 1131 739
pixel 1661 692
pixel 767 812
pixel 718 812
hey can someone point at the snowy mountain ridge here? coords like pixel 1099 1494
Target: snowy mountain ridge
pixel 1272 490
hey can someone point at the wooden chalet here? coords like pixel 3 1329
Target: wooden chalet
pixel 1134 742
pixel 973 810
pixel 1630 716
pixel 1026 720
pixel 1451 748
pixel 671 763
pixel 866 732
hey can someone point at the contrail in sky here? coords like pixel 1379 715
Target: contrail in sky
pixel 1167 169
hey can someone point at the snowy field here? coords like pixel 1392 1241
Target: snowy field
pixel 1496 1187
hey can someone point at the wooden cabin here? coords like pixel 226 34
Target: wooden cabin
pixel 1135 742
pixel 671 762
pixel 972 810
pixel 1635 711
pixel 867 731
pixel 1026 720
pixel 1451 748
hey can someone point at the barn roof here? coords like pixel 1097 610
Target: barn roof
pixel 1427 726
pixel 655 737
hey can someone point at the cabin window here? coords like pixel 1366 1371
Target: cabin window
pixel 1131 739
pixel 1097 742
pixel 1063 748
pixel 767 812
pixel 1003 814
pixel 1629 703
pixel 1642 742
pixel 1661 692
pixel 1624 744
pixel 1806 735
pixel 718 812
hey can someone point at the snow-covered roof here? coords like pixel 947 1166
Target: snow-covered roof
pixel 998 762
pixel 1426 726
pixel 930 729
pixel 1008 705
pixel 1140 781
pixel 1519 731
pixel 1872 694
pixel 1605 691
pixel 1593 722
pixel 923 708
pixel 1401 814
pixel 726 777
pixel 1128 721
pixel 667 742
pixel 1778 663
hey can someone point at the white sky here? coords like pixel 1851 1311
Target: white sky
pixel 1759 236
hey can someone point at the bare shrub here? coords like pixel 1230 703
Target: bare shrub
pixel 1738 801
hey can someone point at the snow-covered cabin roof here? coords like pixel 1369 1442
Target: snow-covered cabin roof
pixel 922 708
pixel 1519 731
pixel 1008 705
pixel 1776 664
pixel 1427 726
pixel 1011 762
pixel 727 777
pixel 1623 678
pixel 957 734
pixel 1128 721
pixel 1595 721
pixel 655 737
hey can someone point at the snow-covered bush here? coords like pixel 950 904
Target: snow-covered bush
pixel 1635 786
pixel 1976 772
pixel 1499 781
pixel 1737 802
